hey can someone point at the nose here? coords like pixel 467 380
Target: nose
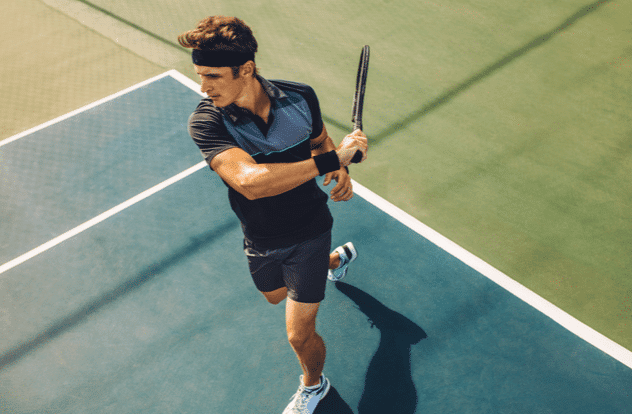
pixel 206 86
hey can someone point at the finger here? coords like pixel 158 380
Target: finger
pixel 345 197
pixel 330 176
pixel 339 188
pixel 344 182
pixel 358 132
pixel 345 192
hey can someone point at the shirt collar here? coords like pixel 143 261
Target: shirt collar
pixel 273 92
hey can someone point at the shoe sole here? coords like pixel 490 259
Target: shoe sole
pixel 352 253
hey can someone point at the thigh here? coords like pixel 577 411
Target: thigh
pixel 305 270
pixel 265 268
pixel 300 318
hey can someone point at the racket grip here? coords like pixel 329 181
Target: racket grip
pixel 357 157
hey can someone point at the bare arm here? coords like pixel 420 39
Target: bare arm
pixel 240 171
pixel 347 148
pixel 343 190
pixel 322 143
pixel 252 180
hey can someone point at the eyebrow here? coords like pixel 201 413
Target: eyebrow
pixel 210 75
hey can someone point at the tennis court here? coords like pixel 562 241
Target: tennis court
pixel 149 307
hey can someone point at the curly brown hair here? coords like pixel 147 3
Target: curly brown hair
pixel 220 33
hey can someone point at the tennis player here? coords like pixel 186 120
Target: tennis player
pixel 267 141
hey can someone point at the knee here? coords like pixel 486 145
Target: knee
pixel 274 300
pixel 276 296
pixel 299 339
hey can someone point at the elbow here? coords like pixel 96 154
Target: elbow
pixel 250 195
pixel 247 188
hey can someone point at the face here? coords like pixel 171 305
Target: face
pixel 219 84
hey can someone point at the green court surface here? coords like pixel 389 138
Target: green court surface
pixel 505 128
pixel 128 292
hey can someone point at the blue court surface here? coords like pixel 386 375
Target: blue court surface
pixel 116 299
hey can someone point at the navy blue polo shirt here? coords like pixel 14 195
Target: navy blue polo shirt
pixel 286 219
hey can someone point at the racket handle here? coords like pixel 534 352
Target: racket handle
pixel 357 157
pixel 357 124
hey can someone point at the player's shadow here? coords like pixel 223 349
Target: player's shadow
pixel 389 386
pixel 333 404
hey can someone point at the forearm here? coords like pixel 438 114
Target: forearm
pixel 267 180
pixel 345 151
pixel 324 146
pixel 240 171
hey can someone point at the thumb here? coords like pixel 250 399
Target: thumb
pixel 327 179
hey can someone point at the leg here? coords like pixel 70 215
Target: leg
pixel 334 260
pixel 310 349
pixel 276 296
pixel 265 269
pixel 339 261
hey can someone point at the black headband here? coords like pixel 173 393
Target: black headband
pixel 220 58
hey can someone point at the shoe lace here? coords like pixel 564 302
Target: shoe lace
pixel 301 399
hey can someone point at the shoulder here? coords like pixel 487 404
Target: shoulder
pixel 287 85
pixel 206 111
pixel 293 88
pixel 300 93
pixel 206 125
pixel 206 118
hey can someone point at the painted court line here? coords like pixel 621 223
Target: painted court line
pixel 101 217
pixel 583 331
pixel 573 325
pixel 114 210
pixel 83 109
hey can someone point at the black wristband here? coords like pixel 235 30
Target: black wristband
pixel 327 162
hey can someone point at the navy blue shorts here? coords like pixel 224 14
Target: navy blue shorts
pixel 301 268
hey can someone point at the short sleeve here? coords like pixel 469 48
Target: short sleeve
pixel 314 108
pixel 308 93
pixel 209 132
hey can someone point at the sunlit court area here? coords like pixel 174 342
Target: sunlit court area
pixel 492 217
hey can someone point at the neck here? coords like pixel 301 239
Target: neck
pixel 255 99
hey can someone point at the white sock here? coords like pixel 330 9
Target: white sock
pixel 314 387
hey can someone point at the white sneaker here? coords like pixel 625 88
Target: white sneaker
pixel 348 254
pixel 306 399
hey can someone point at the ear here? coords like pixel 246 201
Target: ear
pixel 248 68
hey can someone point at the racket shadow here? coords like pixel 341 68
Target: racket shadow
pixel 389 387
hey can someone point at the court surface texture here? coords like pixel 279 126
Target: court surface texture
pixel 124 289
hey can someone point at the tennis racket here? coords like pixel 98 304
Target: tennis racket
pixel 358 98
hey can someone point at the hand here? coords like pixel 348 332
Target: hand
pixel 349 145
pixel 343 191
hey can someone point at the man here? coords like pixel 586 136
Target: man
pixel 267 141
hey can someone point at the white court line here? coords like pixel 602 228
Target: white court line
pixel 85 108
pixel 189 83
pixel 109 213
pixel 98 219
pixel 580 329
pixel 583 331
